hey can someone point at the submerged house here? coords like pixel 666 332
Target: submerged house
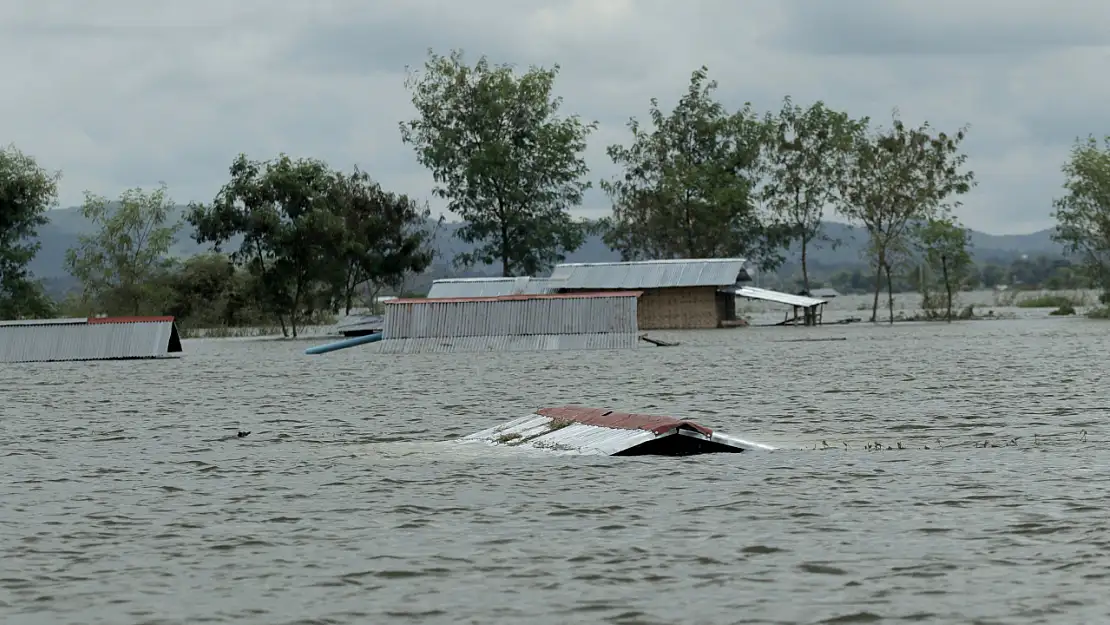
pixel 676 294
pixel 529 322
pixel 92 338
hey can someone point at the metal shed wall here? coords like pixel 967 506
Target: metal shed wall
pixel 512 316
pixel 533 343
pixel 88 339
pixel 651 274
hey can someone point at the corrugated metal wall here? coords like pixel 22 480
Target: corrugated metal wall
pixel 539 342
pixel 521 317
pixel 45 341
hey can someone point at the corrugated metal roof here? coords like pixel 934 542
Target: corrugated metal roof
pixel 590 431
pixel 490 287
pixel 107 338
pixel 519 315
pixel 651 274
pixel 780 298
pixel 536 342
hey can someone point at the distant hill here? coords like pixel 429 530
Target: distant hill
pixel 66 225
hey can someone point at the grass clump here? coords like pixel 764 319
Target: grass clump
pixel 1062 311
pixel 1102 312
pixel 1048 301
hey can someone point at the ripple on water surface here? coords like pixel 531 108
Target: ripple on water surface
pixel 130 500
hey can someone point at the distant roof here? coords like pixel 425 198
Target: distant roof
pixel 824 292
pixel 489 287
pixel 651 274
pixel 513 298
pixel 752 292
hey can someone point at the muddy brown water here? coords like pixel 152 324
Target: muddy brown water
pixel 126 497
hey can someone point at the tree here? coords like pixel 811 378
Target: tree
pixel 291 236
pixel 386 236
pixel 508 165
pixel 1083 213
pixel 944 247
pixel 686 190
pixel 27 191
pixel 896 178
pixel 119 264
pixel 808 155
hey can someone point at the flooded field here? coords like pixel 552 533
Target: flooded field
pixel 128 498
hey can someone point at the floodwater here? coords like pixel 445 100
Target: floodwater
pixel 127 498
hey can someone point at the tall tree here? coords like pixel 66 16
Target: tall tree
pixel 1083 213
pixel 27 191
pixel 807 157
pixel 386 235
pixel 118 266
pixel 944 246
pixel 504 159
pixel 897 178
pixel 686 189
pixel 291 236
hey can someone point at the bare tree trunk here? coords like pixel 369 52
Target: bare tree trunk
pixel 296 308
pixel 805 270
pixel 878 288
pixel 947 287
pixel 281 320
pixel 890 293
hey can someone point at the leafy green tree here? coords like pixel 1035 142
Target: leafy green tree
pixel 808 155
pixel 27 191
pixel 120 264
pixel 944 247
pixel 1083 213
pixel 504 159
pixel 387 236
pixel 896 178
pixel 686 190
pixel 291 236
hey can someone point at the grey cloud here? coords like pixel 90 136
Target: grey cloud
pixel 941 27
pixel 119 93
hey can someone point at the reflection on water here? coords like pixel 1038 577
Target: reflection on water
pixel 129 499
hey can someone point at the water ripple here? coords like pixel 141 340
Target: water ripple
pixel 939 474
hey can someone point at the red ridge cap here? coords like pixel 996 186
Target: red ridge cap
pixel 130 319
pixel 603 417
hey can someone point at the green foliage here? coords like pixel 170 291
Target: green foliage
pixel 944 244
pixel 896 178
pixel 508 165
pixel 1102 312
pixel 27 191
pixel 807 157
pixel 291 236
pixel 1083 213
pixel 311 238
pixel 119 266
pixel 687 186
pixel 386 236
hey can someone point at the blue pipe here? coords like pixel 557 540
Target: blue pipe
pixel 344 344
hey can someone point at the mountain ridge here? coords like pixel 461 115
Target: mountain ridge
pixel 67 225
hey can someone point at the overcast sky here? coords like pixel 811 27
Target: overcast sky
pixel 123 93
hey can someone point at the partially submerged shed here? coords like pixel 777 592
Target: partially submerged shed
pixel 92 338
pixel 807 310
pixel 605 320
pixel 677 294
pixel 600 431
